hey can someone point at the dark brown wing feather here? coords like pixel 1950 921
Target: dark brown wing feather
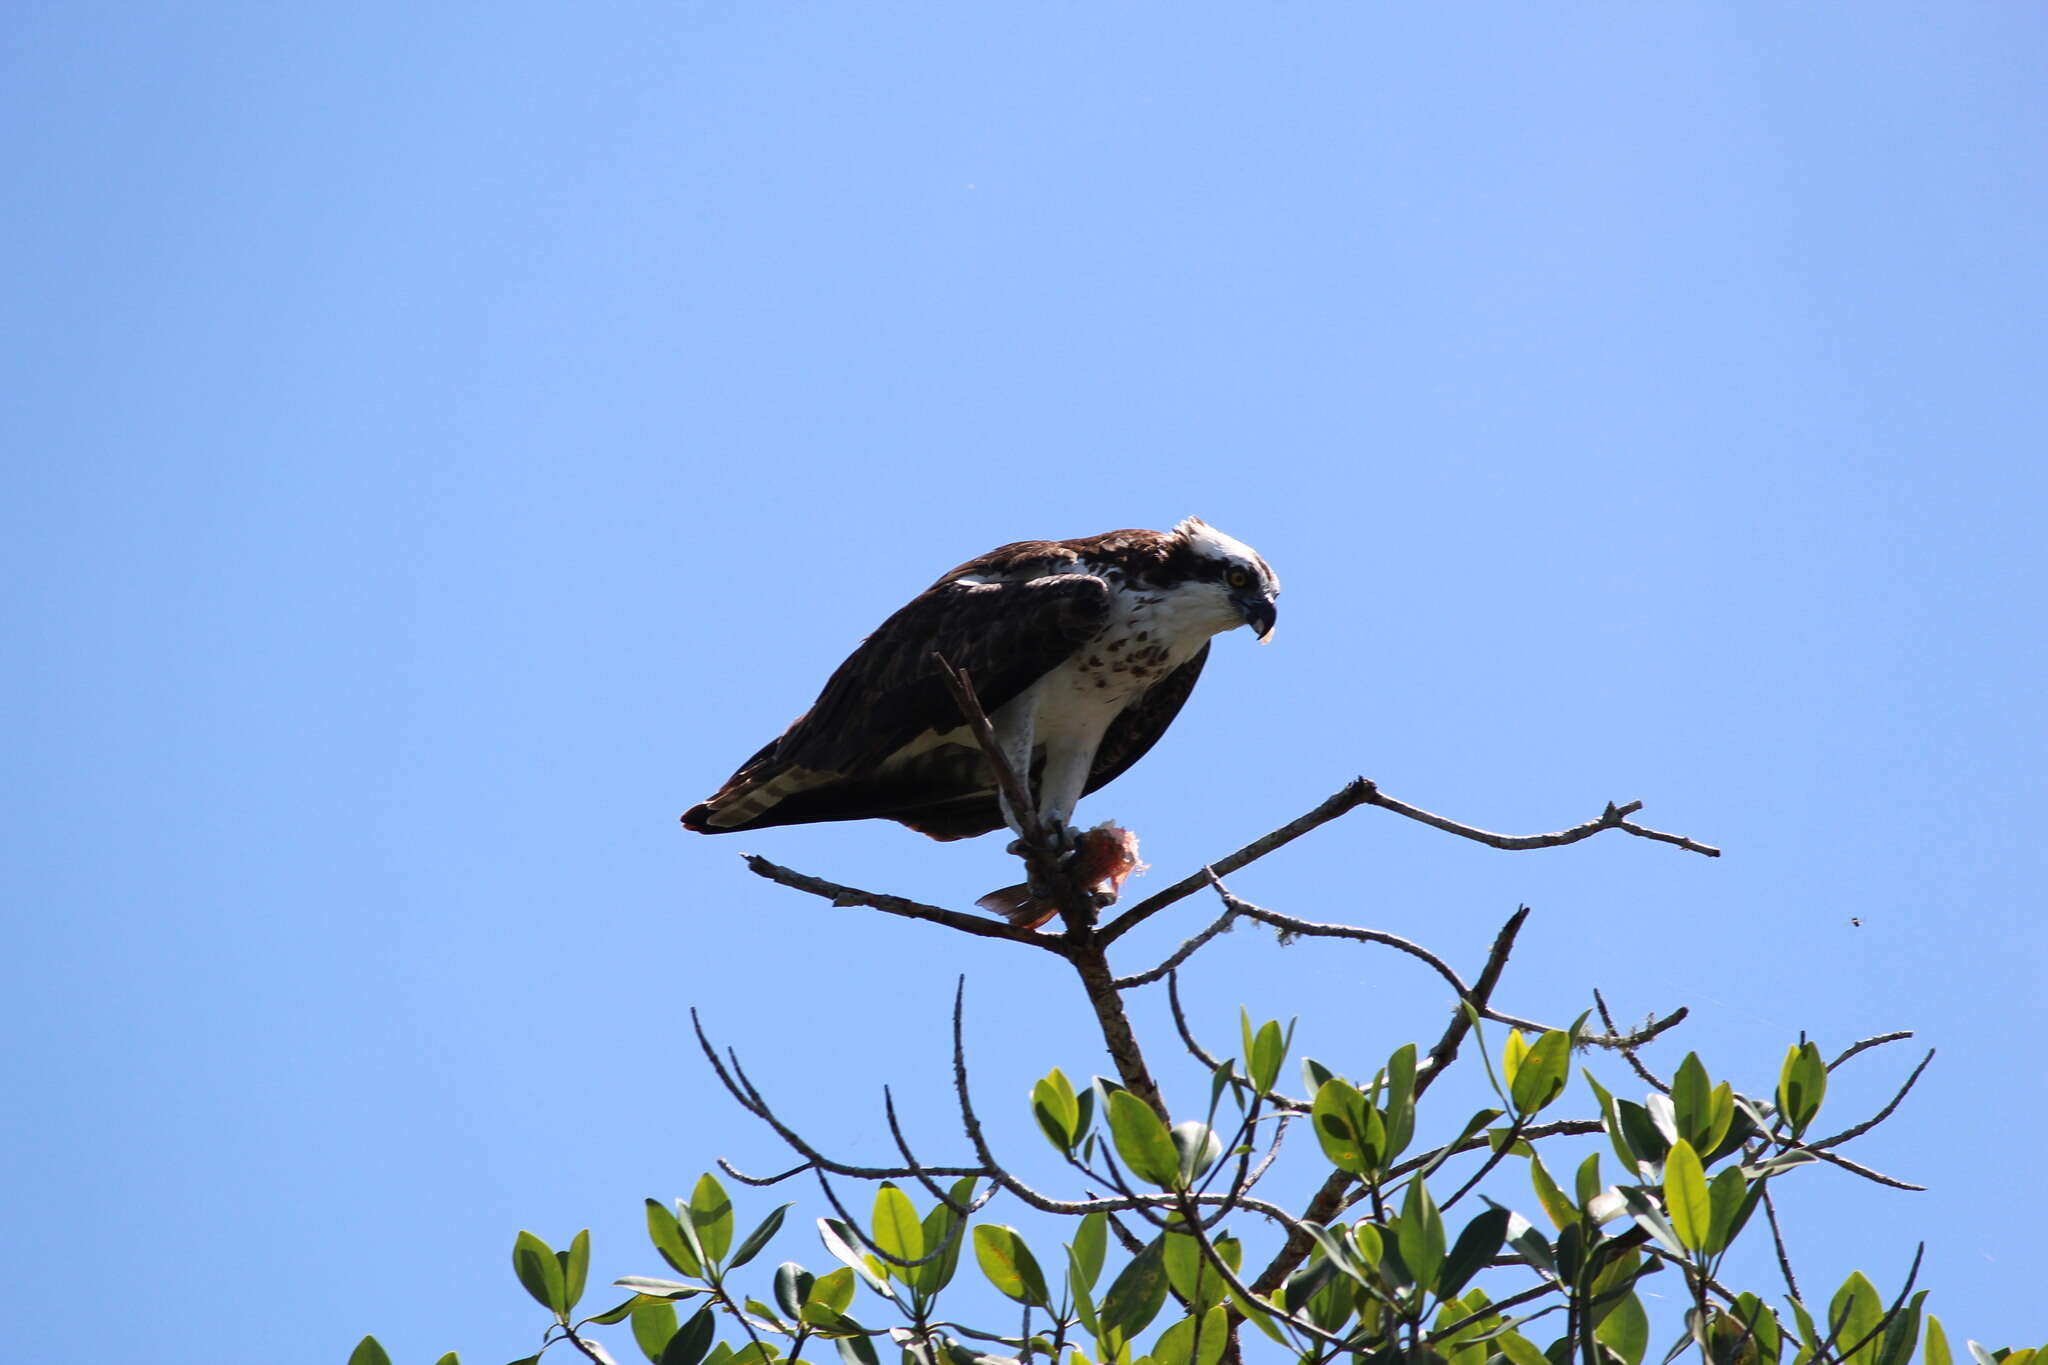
pixel 889 693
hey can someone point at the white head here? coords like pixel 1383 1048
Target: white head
pixel 1240 577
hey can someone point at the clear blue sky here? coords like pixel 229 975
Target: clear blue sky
pixel 444 439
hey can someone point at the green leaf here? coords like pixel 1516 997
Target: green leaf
pixel 1400 1114
pixel 1902 1333
pixel 1143 1141
pixel 1555 1206
pixel 1419 1232
pixel 1198 1149
pixel 1755 1317
pixel 1314 1075
pixel 1193 1277
pixel 1265 1051
pixel 368 1351
pixel 1520 1350
pixel 1193 1340
pixel 1258 1313
pixel 941 1234
pixel 857 1351
pixel 751 1245
pixel 449 1359
pixel 1645 1139
pixel 534 1262
pixel 1057 1111
pixel 843 1242
pixel 1611 1282
pixel 711 1215
pixel 1650 1218
pixel 1685 1195
pixel 692 1341
pixel 792 1285
pixel 1802 1083
pixel 1587 1184
pixel 1720 1121
pixel 1610 1117
pixel 1626 1330
pixel 667 1235
pixel 1138 1292
pixel 897 1231
pixel 1528 1243
pixel 1009 1265
pixel 829 1297
pixel 1853 1314
pixel 1512 1053
pixel 1348 1128
pixel 654 1322
pixel 1936 1351
pixel 1809 1338
pixel 1541 1075
pixel 575 1267
pixel 1085 1252
pixel 1732 1199
pixel 1475 1246
pixel 1692 1101
pixel 655 1289
pixel 616 1314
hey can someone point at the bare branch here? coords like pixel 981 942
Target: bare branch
pixel 1350 798
pixel 1181 954
pixel 1636 1037
pixel 1200 1054
pixel 1311 929
pixel 892 905
pixel 1021 805
pixel 1879 1117
pixel 1363 791
pixel 1627 1050
pixel 1446 1049
pixel 1778 1240
pixel 759 1181
pixel 1865 1044
pixel 1614 817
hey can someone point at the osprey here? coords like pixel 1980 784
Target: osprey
pixel 1081 652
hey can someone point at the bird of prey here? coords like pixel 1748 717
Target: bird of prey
pixel 1081 652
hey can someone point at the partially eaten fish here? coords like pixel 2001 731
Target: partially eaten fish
pixel 1103 858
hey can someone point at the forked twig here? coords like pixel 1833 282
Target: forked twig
pixel 1363 791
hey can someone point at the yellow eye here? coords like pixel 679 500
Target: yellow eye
pixel 1237 578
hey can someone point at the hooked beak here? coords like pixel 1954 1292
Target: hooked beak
pixel 1260 614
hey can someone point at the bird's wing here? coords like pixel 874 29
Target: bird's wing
pixel 889 693
pixel 1138 726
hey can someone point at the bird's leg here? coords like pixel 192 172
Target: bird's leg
pixel 1059 791
pixel 1014 735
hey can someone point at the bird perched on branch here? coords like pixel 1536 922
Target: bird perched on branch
pixel 1080 651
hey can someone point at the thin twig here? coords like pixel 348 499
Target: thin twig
pixel 1362 791
pixel 759 1181
pixel 1012 783
pixel 1628 1052
pixel 1201 1054
pixel 1478 997
pixel 1865 1044
pixel 1879 1117
pixel 1778 1240
pixel 1348 799
pixel 1312 929
pixel 1181 954
pixel 892 905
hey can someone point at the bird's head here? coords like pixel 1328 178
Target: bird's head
pixel 1244 586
